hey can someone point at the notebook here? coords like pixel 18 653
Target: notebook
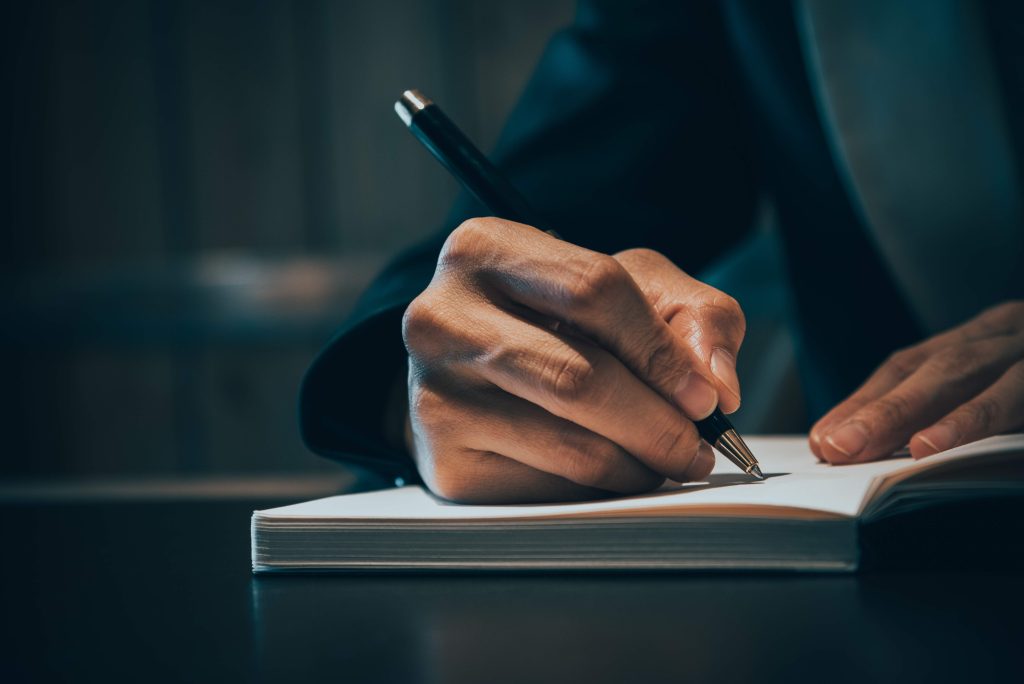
pixel 805 515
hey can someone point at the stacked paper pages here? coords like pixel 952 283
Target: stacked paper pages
pixel 804 515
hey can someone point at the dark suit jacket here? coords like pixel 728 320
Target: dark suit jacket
pixel 659 125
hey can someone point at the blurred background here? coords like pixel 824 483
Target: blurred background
pixel 195 193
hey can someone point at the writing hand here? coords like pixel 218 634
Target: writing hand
pixel 540 370
pixel 954 388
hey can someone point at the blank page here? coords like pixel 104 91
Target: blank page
pixel 796 485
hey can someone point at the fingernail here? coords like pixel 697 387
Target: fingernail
pixel 940 437
pixel 850 439
pixel 696 396
pixel 723 365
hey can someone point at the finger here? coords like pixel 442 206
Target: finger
pixel 998 321
pixel 502 423
pixel 998 409
pixel 709 321
pixel 945 380
pixel 584 384
pixel 605 304
pixel 594 294
pixel 897 368
pixel 481 477
pixel 702 465
pixel 457 473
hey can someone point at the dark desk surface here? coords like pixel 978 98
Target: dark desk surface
pixel 161 590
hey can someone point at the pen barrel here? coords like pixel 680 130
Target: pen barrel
pixel 450 146
pixel 713 427
pixel 464 161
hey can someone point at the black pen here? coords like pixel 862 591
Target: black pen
pixel 454 150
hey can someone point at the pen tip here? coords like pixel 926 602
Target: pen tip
pixel 756 472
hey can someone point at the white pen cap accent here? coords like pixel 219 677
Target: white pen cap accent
pixel 411 103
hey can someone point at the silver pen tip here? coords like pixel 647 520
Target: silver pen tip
pixel 736 450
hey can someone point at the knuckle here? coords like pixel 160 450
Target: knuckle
pixel 653 255
pixel 900 364
pixel 646 253
pixel 724 312
pixel 661 359
pixel 599 277
pixel 671 442
pixel 1001 319
pixel 421 322
pixel 641 255
pixel 415 321
pixel 570 377
pixel 956 361
pixel 465 244
pixel 1007 312
pixel 591 467
pixel 727 305
pixel 980 415
pixel 888 411
pixel 436 328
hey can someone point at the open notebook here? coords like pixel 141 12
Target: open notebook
pixel 804 515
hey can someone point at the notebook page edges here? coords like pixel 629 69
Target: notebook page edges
pixel 960 459
pixel 796 486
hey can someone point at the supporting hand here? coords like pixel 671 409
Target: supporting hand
pixel 954 388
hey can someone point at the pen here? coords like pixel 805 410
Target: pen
pixel 463 160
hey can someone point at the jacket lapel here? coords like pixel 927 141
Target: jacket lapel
pixel 909 98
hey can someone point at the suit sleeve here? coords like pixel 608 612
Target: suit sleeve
pixel 631 133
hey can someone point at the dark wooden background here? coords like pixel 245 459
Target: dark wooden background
pixel 195 191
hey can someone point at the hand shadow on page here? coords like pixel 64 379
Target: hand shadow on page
pixel 713 481
pixel 670 488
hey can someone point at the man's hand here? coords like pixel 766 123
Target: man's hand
pixel 539 370
pixel 957 387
